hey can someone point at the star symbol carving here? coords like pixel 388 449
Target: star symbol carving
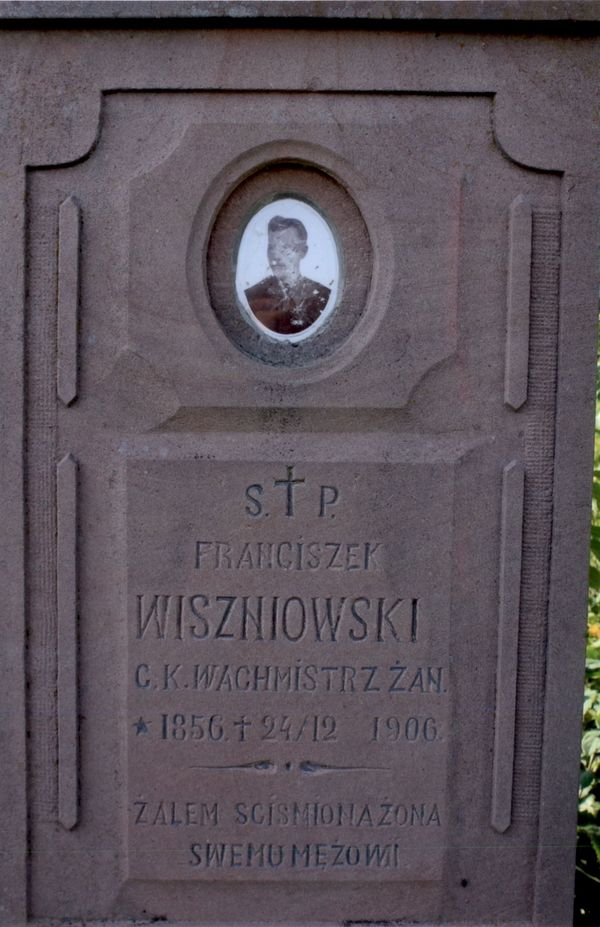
pixel 141 727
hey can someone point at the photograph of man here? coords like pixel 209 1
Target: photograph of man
pixel 286 302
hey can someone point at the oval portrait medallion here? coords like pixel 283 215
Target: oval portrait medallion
pixel 287 271
pixel 288 264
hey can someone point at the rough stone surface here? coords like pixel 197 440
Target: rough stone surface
pixel 453 10
pixel 295 638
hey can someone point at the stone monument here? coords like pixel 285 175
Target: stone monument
pixel 298 369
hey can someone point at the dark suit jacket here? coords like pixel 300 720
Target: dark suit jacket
pixel 287 312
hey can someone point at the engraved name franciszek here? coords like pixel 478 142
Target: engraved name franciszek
pixel 289 555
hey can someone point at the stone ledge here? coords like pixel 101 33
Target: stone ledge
pixel 488 11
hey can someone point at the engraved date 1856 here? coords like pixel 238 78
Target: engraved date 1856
pixel 214 728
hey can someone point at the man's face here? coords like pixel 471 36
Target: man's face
pixel 284 252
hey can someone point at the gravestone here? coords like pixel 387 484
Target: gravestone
pixel 298 367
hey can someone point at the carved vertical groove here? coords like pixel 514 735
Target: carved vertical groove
pixel 513 484
pixel 518 303
pixel 537 512
pixel 40 457
pixel 66 600
pixel 69 222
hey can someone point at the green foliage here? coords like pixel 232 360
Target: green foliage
pixel 587 884
pixel 589 783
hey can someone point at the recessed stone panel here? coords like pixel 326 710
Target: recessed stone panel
pixel 288 675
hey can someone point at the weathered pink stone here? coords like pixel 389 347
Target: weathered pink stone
pixel 294 628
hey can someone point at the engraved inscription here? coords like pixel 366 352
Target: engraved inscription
pixel 328 496
pixel 288 555
pixel 295 618
pixel 288 657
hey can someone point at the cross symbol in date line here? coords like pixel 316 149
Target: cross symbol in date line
pixel 242 723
